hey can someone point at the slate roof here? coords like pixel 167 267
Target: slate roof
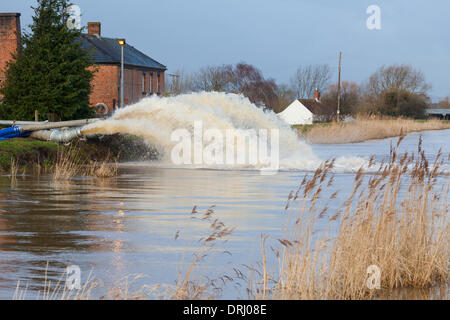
pixel 108 51
pixel 313 106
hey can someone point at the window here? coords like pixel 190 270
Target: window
pixel 158 90
pixel 151 82
pixel 143 83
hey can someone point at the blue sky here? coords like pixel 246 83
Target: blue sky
pixel 278 36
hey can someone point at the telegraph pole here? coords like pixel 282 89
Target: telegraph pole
pixel 339 90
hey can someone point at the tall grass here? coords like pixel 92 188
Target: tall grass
pixel 58 290
pixel 365 128
pixel 70 163
pixel 14 167
pixel 192 282
pixel 404 234
pixel 105 169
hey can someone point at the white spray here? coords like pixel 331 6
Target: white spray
pixel 156 118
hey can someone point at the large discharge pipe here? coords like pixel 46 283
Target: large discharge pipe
pixel 62 136
pixel 39 130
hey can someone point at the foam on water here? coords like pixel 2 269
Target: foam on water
pixel 155 118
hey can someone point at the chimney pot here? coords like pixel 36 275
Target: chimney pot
pixel 94 28
pixel 317 95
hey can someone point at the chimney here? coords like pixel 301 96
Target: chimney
pixel 94 28
pixel 10 38
pixel 317 95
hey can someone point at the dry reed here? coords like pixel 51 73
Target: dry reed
pixel 68 164
pixel 14 168
pixel 402 232
pixel 104 169
pixel 192 282
pixel 365 128
pixel 58 291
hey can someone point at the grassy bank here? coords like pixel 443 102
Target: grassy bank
pixel 24 155
pixel 363 129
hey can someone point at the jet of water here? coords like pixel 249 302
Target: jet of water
pixel 156 118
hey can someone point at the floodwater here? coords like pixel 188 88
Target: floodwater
pixel 141 223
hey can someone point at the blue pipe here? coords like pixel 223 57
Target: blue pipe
pixel 9 131
pixel 14 135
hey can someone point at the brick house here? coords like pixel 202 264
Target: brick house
pixel 143 76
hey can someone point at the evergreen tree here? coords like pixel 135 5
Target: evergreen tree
pixel 50 73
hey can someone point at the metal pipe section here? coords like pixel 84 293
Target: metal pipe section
pixel 43 130
pixel 63 136
pixel 55 125
pixel 19 123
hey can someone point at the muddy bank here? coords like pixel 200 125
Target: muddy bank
pixel 30 153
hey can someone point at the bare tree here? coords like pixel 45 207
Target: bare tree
pixel 399 78
pixel 308 78
pixel 350 97
pixel 396 90
pixel 241 78
pixel 213 78
pixel 285 97
pixel 445 103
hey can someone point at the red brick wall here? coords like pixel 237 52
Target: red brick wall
pixel 105 86
pixel 133 89
pixel 132 86
pixel 9 38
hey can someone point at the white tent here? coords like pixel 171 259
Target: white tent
pixel 296 113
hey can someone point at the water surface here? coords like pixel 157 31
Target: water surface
pixel 127 225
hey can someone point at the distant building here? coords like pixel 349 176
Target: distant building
pixel 143 76
pixel 303 111
pixel 440 113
